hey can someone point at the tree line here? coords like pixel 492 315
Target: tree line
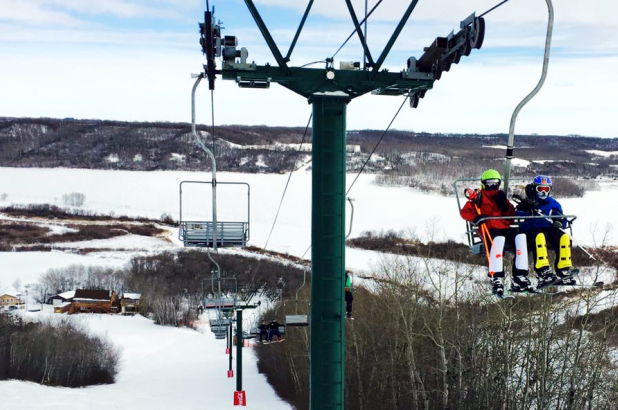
pixel 420 346
pixel 55 354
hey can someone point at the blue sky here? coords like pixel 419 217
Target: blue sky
pixel 132 59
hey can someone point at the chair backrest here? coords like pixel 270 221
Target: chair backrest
pixel 296 320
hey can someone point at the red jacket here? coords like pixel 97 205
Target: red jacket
pixel 488 207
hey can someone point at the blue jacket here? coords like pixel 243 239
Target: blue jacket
pixel 548 206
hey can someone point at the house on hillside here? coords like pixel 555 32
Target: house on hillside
pixel 61 298
pixel 131 303
pixel 94 301
pixel 10 300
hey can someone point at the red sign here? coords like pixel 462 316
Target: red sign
pixel 230 373
pixel 227 350
pixel 240 398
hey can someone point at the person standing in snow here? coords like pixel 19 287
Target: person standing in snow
pixel 490 201
pixel 541 232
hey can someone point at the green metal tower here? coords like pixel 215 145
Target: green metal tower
pixel 329 90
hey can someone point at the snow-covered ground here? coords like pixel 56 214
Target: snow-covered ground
pixel 151 194
pixel 601 153
pixel 166 368
pixel 161 368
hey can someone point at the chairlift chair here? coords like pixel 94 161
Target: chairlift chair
pixel 219 303
pixel 295 319
pixel 201 233
pixel 475 242
pixel 220 322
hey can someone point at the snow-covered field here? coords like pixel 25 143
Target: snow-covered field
pixel 151 194
pixel 166 368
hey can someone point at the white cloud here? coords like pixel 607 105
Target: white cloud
pixel 59 12
pixel 592 12
pixel 65 69
pixel 100 36
pixel 31 13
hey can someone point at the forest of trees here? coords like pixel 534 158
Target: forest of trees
pixel 416 159
pixel 56 354
pixel 410 347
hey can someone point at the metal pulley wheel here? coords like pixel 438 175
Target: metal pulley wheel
pixel 414 99
pixel 446 64
pixel 457 57
pixel 437 70
pixel 479 33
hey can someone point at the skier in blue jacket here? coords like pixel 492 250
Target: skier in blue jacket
pixel 542 232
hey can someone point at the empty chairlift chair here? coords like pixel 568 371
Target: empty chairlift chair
pixel 202 233
pixel 219 303
pixel 295 319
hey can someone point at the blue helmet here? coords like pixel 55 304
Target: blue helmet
pixel 542 186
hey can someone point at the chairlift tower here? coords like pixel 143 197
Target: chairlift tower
pixel 330 90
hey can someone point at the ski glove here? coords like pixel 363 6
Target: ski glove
pixel 530 193
pixel 526 206
pixel 557 224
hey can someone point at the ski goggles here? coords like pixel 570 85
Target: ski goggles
pixel 491 183
pixel 543 189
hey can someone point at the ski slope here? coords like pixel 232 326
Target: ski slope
pixel 161 368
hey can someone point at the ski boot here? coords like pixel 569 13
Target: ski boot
pixel 520 284
pixel 497 287
pixel 565 278
pixel 546 278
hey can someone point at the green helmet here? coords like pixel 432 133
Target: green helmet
pixel 493 176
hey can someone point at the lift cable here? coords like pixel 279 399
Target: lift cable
pixel 493 8
pixel 369 157
pixel 212 105
pixel 282 198
pixel 308 64
pixel 377 144
pixel 363 21
pixel 288 181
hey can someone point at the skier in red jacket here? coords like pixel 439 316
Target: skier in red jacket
pixel 492 202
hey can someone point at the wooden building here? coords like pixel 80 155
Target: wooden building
pixel 10 300
pixel 131 303
pixel 95 301
pixel 62 307
pixel 61 298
